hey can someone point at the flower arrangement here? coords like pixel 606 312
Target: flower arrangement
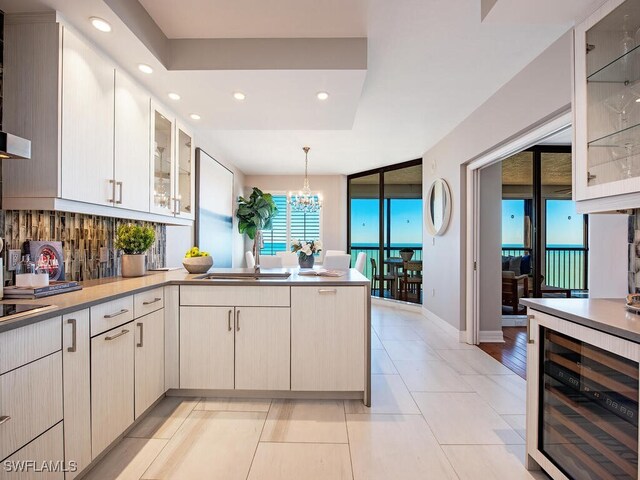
pixel 305 249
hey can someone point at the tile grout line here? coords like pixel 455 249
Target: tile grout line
pixel 346 427
pixel 259 439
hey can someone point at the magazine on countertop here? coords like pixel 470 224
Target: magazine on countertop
pixel 321 272
pixel 53 288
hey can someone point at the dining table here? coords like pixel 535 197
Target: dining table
pixel 396 264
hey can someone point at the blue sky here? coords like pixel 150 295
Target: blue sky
pixel 406 221
pixel 564 225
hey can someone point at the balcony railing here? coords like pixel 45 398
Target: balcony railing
pixel 565 267
pixel 374 252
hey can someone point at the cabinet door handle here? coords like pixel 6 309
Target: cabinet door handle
pixel 529 318
pixel 149 302
pixel 177 206
pixel 74 332
pixel 113 191
pixel 112 315
pixel 327 290
pixel 113 337
pixel 119 201
pixel 229 320
pixel 4 419
pixel 238 321
pixel 141 325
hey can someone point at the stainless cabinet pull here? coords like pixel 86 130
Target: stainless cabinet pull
pixel 113 337
pixel 149 302
pixel 327 290
pixel 119 201
pixel 529 318
pixel 112 315
pixel 113 191
pixel 177 206
pixel 229 319
pixel 74 331
pixel 238 321
pixel 139 324
pixel 4 419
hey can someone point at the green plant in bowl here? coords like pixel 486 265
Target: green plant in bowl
pixel 197 261
pixel 134 241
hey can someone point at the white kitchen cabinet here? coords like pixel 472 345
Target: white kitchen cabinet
pixel 112 385
pixel 263 348
pixel 207 347
pixel 131 143
pixel 149 360
pixel 607 115
pixel 87 123
pixel 76 388
pixel 48 447
pixel 90 127
pixel 185 172
pixel 171 337
pixel 328 332
pixel 162 161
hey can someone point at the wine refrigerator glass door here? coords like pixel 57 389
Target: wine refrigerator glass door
pixel 588 409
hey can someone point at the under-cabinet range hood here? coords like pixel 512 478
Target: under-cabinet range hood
pixel 12 146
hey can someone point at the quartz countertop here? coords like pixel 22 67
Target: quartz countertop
pixel 605 314
pixel 99 291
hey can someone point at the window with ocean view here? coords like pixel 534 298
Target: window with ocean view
pixel 289 224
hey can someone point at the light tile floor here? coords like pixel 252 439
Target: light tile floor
pixel 441 410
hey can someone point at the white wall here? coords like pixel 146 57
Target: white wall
pixel 333 189
pixel 608 256
pixel 490 255
pixel 540 90
pixel 179 239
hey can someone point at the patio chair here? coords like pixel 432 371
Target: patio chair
pixel 411 281
pixel 514 287
pixel 388 278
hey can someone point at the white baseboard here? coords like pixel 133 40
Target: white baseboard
pixel 514 321
pixel 491 336
pixel 396 304
pixel 446 326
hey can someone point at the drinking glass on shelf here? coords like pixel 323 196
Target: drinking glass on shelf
pixel 623 156
pixel 620 103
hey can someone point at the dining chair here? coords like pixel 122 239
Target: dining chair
pixel 361 261
pixel 328 253
pixel 270 261
pixel 387 279
pixel 289 259
pixel 337 262
pixel 251 261
pixel 411 280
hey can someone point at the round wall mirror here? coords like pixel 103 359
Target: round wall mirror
pixel 438 207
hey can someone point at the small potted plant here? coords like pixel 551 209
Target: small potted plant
pixel 197 261
pixel 406 254
pixel 134 241
pixel 306 251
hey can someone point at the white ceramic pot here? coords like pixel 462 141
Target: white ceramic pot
pixel 133 265
pixel 198 264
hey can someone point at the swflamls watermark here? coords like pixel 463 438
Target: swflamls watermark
pixel 39 466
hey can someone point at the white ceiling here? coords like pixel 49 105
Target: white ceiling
pixel 430 64
pixel 259 18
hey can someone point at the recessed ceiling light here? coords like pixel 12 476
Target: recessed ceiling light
pixel 144 68
pixel 174 96
pixel 195 116
pixel 637 100
pixel 322 95
pixel 100 24
pixel 239 96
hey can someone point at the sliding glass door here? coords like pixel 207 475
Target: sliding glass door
pixel 385 222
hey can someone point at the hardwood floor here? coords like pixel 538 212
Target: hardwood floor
pixel 513 352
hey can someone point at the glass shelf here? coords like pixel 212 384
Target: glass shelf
pixel 624 69
pixel 630 135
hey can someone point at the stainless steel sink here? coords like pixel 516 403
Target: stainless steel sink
pixel 244 276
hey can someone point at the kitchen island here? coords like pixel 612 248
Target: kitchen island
pixel 105 355
pixel 582 388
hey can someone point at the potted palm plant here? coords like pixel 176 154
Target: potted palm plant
pixel 255 214
pixel 134 241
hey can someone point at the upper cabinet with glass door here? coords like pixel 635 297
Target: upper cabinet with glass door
pixel 607 107
pixel 185 173
pixel 162 161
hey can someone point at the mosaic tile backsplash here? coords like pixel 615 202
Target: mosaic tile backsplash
pixel 634 251
pixel 82 237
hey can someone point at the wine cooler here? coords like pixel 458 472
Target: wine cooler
pixel 582 402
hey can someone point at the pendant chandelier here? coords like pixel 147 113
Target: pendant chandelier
pixel 305 201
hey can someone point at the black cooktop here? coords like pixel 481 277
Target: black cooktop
pixel 8 309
